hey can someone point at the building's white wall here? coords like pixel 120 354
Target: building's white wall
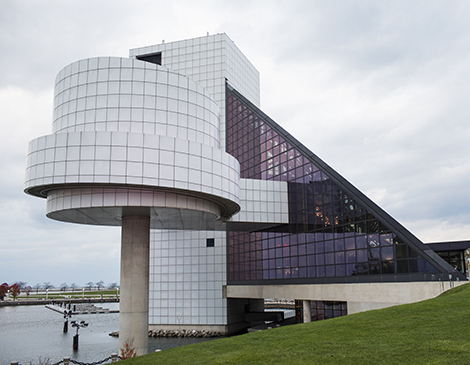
pixel 186 278
pixel 209 61
pixel 120 158
pixel 126 95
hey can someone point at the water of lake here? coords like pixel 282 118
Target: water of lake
pixel 28 333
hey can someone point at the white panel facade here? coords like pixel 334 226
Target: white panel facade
pixel 209 61
pixel 131 158
pixel 186 279
pixel 126 95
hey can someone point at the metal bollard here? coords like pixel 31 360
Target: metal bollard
pixel 14 363
pixel 114 357
pixel 66 360
pixel 75 341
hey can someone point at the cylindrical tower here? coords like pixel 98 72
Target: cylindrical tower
pixel 135 145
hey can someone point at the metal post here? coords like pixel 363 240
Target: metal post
pixel 75 342
pixel 75 338
pixel 299 311
pixel 114 357
pixel 66 321
pixel 66 360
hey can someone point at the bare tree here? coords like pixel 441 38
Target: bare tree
pixel 21 284
pixel 73 286
pixel 47 285
pixel 113 286
pixel 99 284
pixel 63 286
pixel 89 285
pixel 37 287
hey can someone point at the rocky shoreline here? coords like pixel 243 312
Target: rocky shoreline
pixel 182 333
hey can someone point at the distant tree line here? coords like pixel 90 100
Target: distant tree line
pixel 15 289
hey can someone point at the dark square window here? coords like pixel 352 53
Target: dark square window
pixel 210 242
pixel 155 58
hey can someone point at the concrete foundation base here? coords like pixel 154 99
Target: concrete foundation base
pixel 360 297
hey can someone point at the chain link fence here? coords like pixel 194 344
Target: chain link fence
pixel 68 361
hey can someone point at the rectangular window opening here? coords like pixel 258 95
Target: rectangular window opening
pixel 210 242
pixel 152 58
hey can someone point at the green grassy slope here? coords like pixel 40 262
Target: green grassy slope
pixel 435 331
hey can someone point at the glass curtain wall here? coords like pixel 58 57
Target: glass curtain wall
pixel 330 236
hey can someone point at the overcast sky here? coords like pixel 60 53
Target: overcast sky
pixel 378 89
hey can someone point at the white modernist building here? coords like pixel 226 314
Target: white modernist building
pixel 171 145
pixel 139 145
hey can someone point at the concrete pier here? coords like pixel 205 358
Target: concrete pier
pixel 75 309
pixel 307 311
pixel 134 307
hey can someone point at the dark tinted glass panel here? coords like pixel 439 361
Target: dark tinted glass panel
pixel 402 267
pixel 152 58
pixel 324 310
pixel 402 251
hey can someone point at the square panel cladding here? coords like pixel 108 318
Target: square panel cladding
pixel 186 277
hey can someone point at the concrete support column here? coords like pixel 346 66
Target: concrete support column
pixel 307 311
pixel 134 302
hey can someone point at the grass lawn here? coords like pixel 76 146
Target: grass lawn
pixel 435 331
